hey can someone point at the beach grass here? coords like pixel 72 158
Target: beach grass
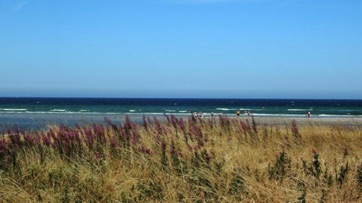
pixel 183 160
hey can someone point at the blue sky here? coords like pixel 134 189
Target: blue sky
pixel 181 48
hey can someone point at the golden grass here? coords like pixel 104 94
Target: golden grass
pixel 199 160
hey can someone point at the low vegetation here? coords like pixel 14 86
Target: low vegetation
pixel 177 160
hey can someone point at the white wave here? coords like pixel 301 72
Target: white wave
pixel 66 112
pixel 131 110
pixel 170 110
pixel 300 109
pixel 172 113
pixel 58 110
pixel 226 109
pixel 326 115
pixel 84 110
pixel 37 112
pixel 182 111
pixel 332 115
pixel 14 109
pixel 145 113
pixel 99 113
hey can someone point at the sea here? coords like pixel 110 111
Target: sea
pixel 37 113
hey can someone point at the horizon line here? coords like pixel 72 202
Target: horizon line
pixel 200 98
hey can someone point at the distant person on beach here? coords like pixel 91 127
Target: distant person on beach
pixel 194 114
pixel 212 114
pixel 238 113
pixel 308 114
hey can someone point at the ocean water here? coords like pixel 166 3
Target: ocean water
pixel 39 112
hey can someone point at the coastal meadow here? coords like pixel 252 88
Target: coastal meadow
pixel 176 159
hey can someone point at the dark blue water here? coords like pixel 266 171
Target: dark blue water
pixel 32 111
pixel 180 106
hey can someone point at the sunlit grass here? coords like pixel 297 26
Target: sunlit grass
pixel 212 159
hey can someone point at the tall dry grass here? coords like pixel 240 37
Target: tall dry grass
pixel 193 160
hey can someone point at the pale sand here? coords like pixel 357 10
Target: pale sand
pixel 299 120
pixel 39 121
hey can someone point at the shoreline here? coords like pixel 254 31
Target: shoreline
pixel 42 121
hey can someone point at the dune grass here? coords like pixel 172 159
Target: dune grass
pixel 194 160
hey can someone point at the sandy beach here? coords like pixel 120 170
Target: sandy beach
pixel 41 121
pixel 315 120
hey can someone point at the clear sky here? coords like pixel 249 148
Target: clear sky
pixel 181 48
